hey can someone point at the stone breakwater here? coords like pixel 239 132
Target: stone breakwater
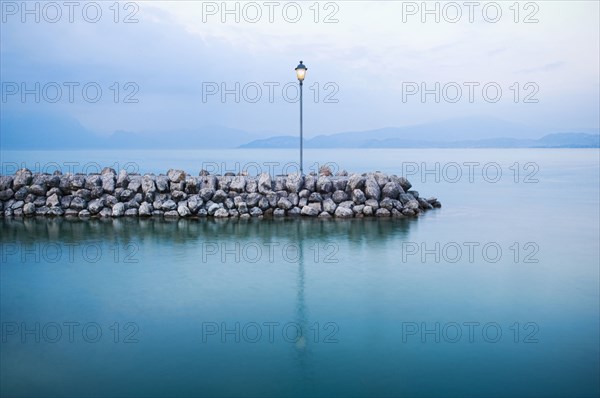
pixel 177 194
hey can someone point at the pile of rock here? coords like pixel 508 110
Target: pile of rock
pixel 177 194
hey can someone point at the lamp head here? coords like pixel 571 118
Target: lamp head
pixel 301 71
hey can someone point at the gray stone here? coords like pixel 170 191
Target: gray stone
pixel 208 181
pixel 135 183
pixel 358 196
pixel 373 203
pixel 176 175
pixel 53 201
pixel 309 211
pixel 183 211
pixel 412 204
pixel 324 215
pixel 22 178
pixel 22 193
pixel 192 185
pixel 84 214
pixel 316 205
pixel 391 190
pixel 162 183
pixel 347 204
pixel 38 190
pixel 381 179
pixel 294 212
pixel 206 194
pixel 284 203
pixel 264 183
pixel 233 213
pixel 294 182
pixel 5 182
pixel 329 206
pixel 344 212
pixel 358 209
pixel 279 213
pixel 305 193
pixel 310 182
pixel 256 212
pixel 340 183
pixel 372 190
pixel 171 214
pixel 339 196
pixel 194 203
pixel 108 182
pixel 95 206
pixel 367 211
pixel 224 182
pixel 78 203
pixel 122 179
pixel 131 213
pixel 118 210
pixel 381 212
pixel 77 182
pixel 29 209
pixel 212 209
pixel 179 196
pixel 221 213
pixel 145 210
pixel 169 205
pixel 238 184
pixel 315 197
pixel 251 185
pixel 253 199
pixel 6 194
pixel 65 201
pixel 242 207
pixel 356 181
pixel 219 196
pixel 324 184
pixel 148 184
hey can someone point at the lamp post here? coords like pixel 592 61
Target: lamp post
pixel 300 74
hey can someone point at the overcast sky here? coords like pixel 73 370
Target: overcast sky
pixel 365 61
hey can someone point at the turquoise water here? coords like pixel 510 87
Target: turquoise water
pixel 494 294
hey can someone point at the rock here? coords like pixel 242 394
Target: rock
pixel 372 203
pixel 38 190
pixel 55 212
pixel 17 205
pixel 194 203
pixel 381 179
pixel 272 199
pixel 315 197
pixel 325 170
pixel 280 182
pixel 212 209
pixel 256 212
pixel 118 210
pixel 284 203
pixel 162 183
pixel 84 214
pixel 78 203
pixel 108 170
pixel 53 201
pixel 356 181
pixel 264 183
pixel 176 175
pixel 381 212
pixel 305 193
pixel 40 211
pixel 340 183
pixel 329 206
pixel 23 177
pixel 423 204
pixel 242 207
pixel 135 183
pixel 408 212
pixel 221 213
pixel 294 182
pixel 412 204
pixel 396 213
pixel 342 172
pixel 368 211
pixel 29 209
pixel 310 182
pixel 294 212
pixel 6 194
pixel 339 196
pixel 148 185
pixel 171 214
pixel 84 194
pixel 224 182
pixel 358 209
pixel 21 193
pixel 372 190
pixel 65 201
pixel 403 182
pixel 145 209
pixel 415 194
pixel 131 212
pixel 344 212
pixel 391 190
pixel 347 204
pixel 206 194
pixel 316 205
pixel 264 203
pixel 169 205
pixel 95 206
pixel 358 196
pixel 122 179
pixel 71 213
pixel 277 213
pixel 324 184
pixel 253 199
pixel 238 184
pixel 324 215
pixel 108 182
pixel 208 181
pixel 309 211
pixel 183 211
pixel 251 185
pixel 192 185
pixel 5 182
pixel 405 198
pixel 77 182
pixel 293 198
pixel 179 196
pixel 219 196
pixel 233 213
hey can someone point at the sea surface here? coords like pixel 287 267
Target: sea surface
pixel 495 294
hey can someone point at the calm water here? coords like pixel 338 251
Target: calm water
pixel 386 307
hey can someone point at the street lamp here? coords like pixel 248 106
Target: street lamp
pixel 300 74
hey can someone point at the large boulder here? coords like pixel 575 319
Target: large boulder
pixel 391 190
pixel 309 211
pixel 356 181
pixel 344 212
pixel 176 175
pixel 22 178
pixel 264 183
pixel 294 182
pixel 238 184
pixel 372 190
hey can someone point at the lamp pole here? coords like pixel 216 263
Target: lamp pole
pixel 300 74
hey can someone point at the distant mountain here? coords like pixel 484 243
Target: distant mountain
pixel 458 133
pixel 55 132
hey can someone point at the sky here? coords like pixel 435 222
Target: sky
pixel 179 65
